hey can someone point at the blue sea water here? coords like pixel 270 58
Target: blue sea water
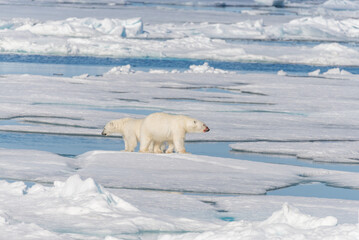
pixel 70 66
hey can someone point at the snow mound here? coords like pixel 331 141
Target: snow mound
pixel 126 69
pixel 336 71
pixel 287 223
pixel 314 73
pixel 14 188
pixel 291 216
pixel 333 71
pixel 282 73
pixel 90 194
pixel 205 68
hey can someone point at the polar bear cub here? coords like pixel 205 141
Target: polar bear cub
pixel 163 127
pixel 130 128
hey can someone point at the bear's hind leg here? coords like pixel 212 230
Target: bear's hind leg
pixel 170 147
pixel 157 147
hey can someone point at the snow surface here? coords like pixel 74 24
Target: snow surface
pixel 73 208
pixel 115 195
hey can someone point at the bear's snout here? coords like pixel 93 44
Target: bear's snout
pixel 103 133
pixel 206 129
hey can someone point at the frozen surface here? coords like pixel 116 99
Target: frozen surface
pixel 71 209
pixel 217 175
pixel 309 114
pixel 145 196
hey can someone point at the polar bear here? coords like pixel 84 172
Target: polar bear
pixel 163 127
pixel 129 128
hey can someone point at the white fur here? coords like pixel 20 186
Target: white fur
pixel 163 127
pixel 129 128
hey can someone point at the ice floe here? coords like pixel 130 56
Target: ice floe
pixel 266 107
pixel 218 175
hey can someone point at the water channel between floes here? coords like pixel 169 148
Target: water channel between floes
pixel 69 66
pixel 71 146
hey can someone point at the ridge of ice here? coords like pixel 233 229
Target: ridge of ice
pixel 121 38
pixel 97 198
pixel 80 27
pixel 293 217
pixel 287 223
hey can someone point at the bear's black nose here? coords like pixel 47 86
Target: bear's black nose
pixel 103 133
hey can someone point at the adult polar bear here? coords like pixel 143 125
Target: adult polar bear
pixel 163 127
pixel 130 128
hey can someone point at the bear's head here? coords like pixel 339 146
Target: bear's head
pixel 114 126
pixel 196 126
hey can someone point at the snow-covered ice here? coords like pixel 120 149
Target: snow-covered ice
pixel 111 195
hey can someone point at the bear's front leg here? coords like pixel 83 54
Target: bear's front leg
pixel 179 144
pixel 131 143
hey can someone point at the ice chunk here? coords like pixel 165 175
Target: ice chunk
pixel 293 217
pixel 337 71
pixel 205 68
pixel 90 194
pixel 12 188
pixel 281 73
pixel 314 73
pixel 126 69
